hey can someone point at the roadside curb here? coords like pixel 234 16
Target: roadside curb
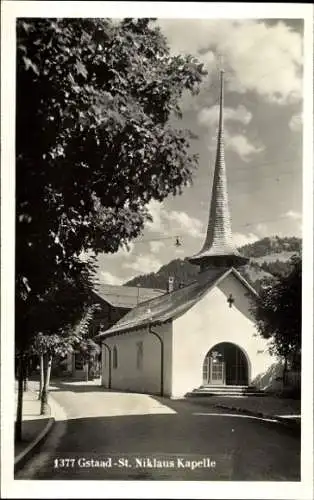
pixel 26 454
pixel 56 413
pixel 289 423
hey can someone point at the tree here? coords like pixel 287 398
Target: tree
pixel 94 144
pixel 93 140
pixel 68 339
pixel 278 268
pixel 90 350
pixel 47 346
pixel 278 314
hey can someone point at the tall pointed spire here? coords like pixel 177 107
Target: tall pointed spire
pixel 219 249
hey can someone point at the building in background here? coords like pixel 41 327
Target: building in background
pixel 114 303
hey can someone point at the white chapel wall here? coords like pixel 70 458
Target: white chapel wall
pixel 127 376
pixel 208 323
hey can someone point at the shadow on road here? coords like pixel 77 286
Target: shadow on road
pixel 76 386
pixel 162 447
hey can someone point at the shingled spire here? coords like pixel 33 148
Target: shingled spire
pixel 219 249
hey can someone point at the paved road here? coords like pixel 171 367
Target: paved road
pixel 111 435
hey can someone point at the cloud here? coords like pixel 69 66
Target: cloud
pixel 258 57
pixel 290 225
pixel 180 251
pixel 110 279
pixel 209 116
pixel 295 124
pixel 241 239
pixel 186 224
pixel 156 246
pixel 235 142
pixel 143 264
pixel 173 222
pixel 262 230
pixel 241 145
pixel 294 215
pixel 156 210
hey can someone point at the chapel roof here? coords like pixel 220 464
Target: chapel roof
pixel 171 305
pixel 126 297
pixel 219 248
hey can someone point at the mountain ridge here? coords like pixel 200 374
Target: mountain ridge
pixel 269 258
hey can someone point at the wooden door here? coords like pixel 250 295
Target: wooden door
pixel 217 372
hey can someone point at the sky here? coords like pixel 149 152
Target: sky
pixel 262 60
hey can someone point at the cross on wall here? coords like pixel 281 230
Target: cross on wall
pixel 230 300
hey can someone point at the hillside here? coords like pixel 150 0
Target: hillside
pixel 271 245
pixel 269 257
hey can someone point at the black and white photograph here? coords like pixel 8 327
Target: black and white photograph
pixel 157 267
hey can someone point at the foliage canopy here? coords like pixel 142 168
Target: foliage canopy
pixel 94 144
pixel 279 311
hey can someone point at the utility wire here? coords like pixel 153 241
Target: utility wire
pixel 280 217
pixel 255 166
pixel 178 235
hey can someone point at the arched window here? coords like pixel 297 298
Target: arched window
pixel 115 357
pixel 139 355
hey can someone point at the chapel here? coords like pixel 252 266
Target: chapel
pixel 200 337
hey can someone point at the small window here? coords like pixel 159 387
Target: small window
pixel 139 355
pixel 115 357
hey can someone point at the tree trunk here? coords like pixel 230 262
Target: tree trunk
pixel 25 385
pixel 284 373
pixel 19 410
pixel 41 380
pixel 86 369
pixel 44 408
pixel 91 369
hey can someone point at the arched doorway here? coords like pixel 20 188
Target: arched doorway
pixel 225 364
